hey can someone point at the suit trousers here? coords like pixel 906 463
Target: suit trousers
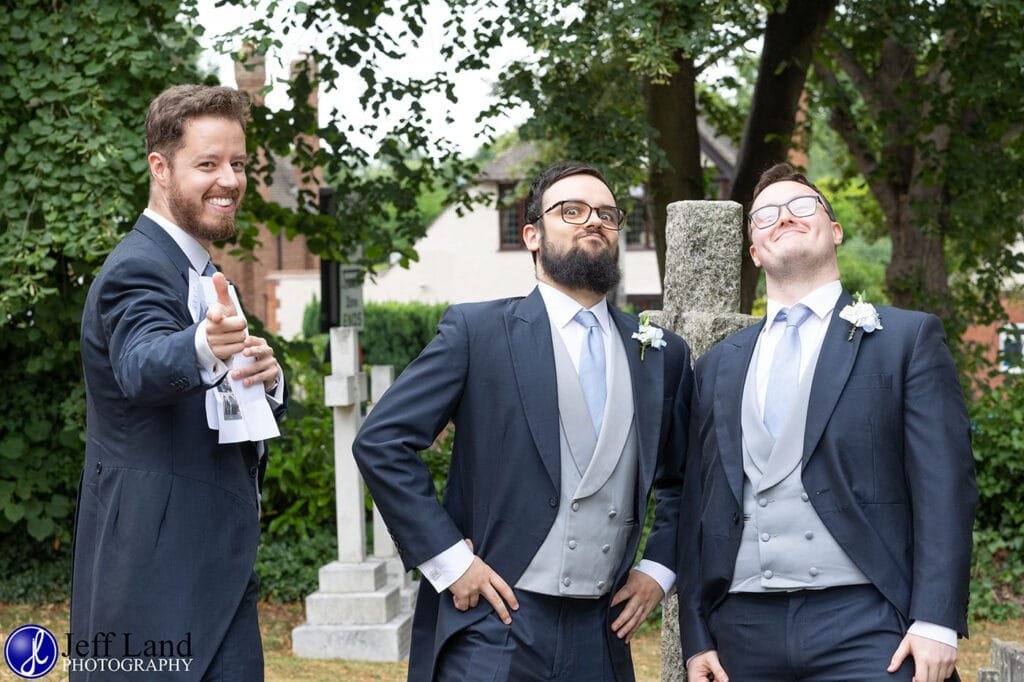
pixel 240 655
pixel 837 634
pixel 550 638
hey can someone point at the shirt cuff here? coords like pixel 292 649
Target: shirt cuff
pixel 939 633
pixel 448 566
pixel 211 368
pixel 661 574
pixel 276 397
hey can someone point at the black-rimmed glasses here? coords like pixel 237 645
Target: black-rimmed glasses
pixel 799 207
pixel 578 213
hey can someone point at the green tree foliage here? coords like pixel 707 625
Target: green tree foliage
pixel 380 207
pixel 75 81
pixel 926 95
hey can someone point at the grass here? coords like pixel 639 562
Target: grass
pixel 277 621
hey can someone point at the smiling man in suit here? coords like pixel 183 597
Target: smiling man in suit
pixel 838 492
pixel 167 522
pixel 562 426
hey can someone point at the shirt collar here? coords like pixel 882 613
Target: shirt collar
pixel 821 301
pixel 194 251
pixel 562 308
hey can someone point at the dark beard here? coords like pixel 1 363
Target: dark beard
pixel 578 269
pixel 187 218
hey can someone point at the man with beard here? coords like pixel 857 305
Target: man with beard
pixel 564 421
pixel 167 521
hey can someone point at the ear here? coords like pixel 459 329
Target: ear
pixel 531 237
pixel 159 168
pixel 837 233
pixel 753 256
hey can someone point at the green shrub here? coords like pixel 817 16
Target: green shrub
pixel 395 333
pixel 34 573
pixel 997 418
pixel 288 564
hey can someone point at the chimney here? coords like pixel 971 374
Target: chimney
pixel 251 74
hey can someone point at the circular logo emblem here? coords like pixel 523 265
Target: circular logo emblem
pixel 31 651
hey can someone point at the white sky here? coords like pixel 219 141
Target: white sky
pixel 472 89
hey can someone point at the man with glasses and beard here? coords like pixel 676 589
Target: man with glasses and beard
pixel 563 423
pixel 167 522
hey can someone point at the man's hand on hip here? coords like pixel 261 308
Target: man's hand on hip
pixel 705 667
pixel 641 594
pixel 933 661
pixel 480 580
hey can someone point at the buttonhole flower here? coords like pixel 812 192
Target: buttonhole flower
pixel 861 314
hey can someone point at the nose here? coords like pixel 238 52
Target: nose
pixel 594 220
pixel 227 177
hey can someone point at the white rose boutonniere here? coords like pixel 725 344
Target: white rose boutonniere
pixel 861 314
pixel 649 335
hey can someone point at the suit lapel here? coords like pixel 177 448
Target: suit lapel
pixel 648 380
pixel 728 404
pixel 533 361
pixel 166 244
pixel 835 361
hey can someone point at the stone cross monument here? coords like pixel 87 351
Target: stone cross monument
pixel 702 302
pixel 363 609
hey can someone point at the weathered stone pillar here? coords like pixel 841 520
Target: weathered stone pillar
pixel 702 301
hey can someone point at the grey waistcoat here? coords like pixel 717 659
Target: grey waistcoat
pixel 785 545
pixel 584 548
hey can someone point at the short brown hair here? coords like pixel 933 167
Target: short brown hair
pixel 177 105
pixel 783 172
pixel 551 175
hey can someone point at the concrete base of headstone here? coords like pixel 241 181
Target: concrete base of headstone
pixel 397 575
pixel 1008 659
pixel 387 642
pixel 358 613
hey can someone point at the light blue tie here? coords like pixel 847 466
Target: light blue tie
pixel 784 377
pixel 592 369
pixel 210 270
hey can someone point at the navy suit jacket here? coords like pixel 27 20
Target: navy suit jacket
pixel 491 371
pixel 887 463
pixel 167 522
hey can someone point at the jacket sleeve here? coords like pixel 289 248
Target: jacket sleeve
pixel 149 334
pixel 939 469
pixel 406 421
pixel 693 632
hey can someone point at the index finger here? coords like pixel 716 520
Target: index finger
pixel 504 590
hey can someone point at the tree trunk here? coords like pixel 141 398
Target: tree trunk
pixel 672 112
pixel 790 39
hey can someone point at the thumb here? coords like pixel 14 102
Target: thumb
pixel 901 654
pixel 470 544
pixel 220 285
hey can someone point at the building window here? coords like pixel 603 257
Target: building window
pixel 511 218
pixel 1011 348
pixel 638 230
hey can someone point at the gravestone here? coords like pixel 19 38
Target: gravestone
pixel 702 301
pixel 363 607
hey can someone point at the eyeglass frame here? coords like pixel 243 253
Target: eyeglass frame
pixel 817 198
pixel 618 227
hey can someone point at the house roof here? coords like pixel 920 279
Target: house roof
pixel 510 165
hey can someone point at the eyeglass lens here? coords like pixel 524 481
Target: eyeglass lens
pixel 800 207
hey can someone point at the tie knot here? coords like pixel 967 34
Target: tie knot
pixel 794 316
pixel 587 319
pixel 209 270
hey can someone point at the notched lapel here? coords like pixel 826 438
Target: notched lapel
pixel 533 360
pixel 648 379
pixel 835 362
pixel 166 244
pixel 728 403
